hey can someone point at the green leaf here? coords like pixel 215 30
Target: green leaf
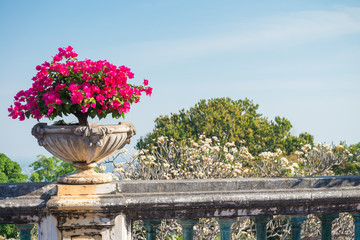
pixel 67 107
pixel 92 113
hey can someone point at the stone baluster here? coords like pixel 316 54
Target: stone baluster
pixel 326 225
pixel 260 224
pixel 296 222
pixel 356 217
pixel 225 227
pixel 188 228
pixel 25 231
pixel 150 227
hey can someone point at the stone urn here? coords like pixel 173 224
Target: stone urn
pixel 84 147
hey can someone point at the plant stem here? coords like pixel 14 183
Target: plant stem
pixel 82 118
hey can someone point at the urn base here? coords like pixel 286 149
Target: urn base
pixel 85 174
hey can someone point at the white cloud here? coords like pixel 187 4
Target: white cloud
pixel 287 30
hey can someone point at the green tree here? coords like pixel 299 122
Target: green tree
pixel 230 121
pixel 10 171
pixel 351 167
pixel 49 169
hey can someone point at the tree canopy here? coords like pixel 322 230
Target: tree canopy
pixel 10 171
pixel 49 169
pixel 229 120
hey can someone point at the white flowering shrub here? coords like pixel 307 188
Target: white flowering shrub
pixel 207 158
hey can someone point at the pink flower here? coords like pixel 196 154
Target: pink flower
pixel 61 52
pixel 74 55
pixel 148 91
pixel 121 110
pixel 37 114
pixel 127 106
pixel 87 90
pixel 57 58
pixel 58 101
pixel 19 94
pixel 130 75
pixel 86 77
pixel 100 98
pixel 115 104
pixel 52 98
pixel 84 109
pixel 73 87
pixel 50 110
pixel 22 116
pixel 137 92
pixel 104 86
pixel 69 49
pixel 126 92
pixel 76 97
pixel 95 89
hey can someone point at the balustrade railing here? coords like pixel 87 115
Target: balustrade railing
pixel 107 211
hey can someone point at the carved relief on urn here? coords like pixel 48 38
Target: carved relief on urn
pixel 84 147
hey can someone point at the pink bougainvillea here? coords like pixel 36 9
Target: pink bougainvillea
pixel 83 88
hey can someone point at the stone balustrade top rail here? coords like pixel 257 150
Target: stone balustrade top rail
pixel 22 203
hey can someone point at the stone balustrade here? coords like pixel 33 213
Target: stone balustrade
pixel 106 211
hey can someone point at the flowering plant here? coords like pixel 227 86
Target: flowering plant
pixel 83 88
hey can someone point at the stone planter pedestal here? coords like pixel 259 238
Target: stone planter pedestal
pixel 74 214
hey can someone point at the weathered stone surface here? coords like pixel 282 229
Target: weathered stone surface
pixel 105 211
pixel 96 189
pixel 84 146
pixel 189 199
pixel 10 190
pixel 23 203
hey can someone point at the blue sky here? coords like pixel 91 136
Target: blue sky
pixel 296 59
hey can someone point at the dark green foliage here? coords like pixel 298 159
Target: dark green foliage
pixel 230 121
pixel 49 169
pixel 10 171
pixel 8 231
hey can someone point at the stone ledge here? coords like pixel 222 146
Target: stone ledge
pixel 10 190
pixel 183 198
pixel 236 184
